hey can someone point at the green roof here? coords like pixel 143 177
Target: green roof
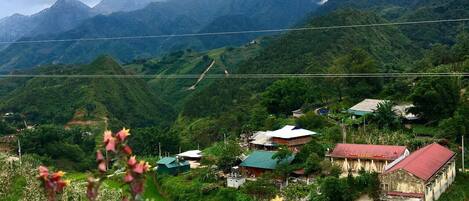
pixel 166 160
pixel 263 160
pixel 170 162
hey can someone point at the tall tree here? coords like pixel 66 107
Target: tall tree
pixel 357 61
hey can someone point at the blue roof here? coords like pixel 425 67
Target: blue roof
pixel 263 160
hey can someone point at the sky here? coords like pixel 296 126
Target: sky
pixel 28 7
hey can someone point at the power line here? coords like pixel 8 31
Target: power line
pixel 239 32
pixel 244 76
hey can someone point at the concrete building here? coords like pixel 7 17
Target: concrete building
pixel 422 176
pixel 371 158
pixel 235 179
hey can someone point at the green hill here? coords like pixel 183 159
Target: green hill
pixel 306 52
pixel 177 91
pixel 117 101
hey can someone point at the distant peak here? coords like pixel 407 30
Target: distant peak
pixel 69 3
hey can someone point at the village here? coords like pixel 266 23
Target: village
pixel 423 174
pixel 420 175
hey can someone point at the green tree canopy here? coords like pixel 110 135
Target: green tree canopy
pixel 284 96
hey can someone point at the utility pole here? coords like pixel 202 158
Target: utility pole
pixel 19 151
pixel 463 167
pixel 159 149
pixel 344 132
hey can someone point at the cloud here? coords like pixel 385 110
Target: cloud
pixel 28 7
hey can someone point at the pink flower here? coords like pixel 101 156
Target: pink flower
pixel 57 176
pixel 102 166
pixel 132 161
pixel 111 145
pixel 128 177
pixel 127 150
pixel 123 134
pixel 138 168
pixel 99 156
pixel 43 172
pixel 107 136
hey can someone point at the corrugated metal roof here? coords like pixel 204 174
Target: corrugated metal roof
pixel 425 162
pixel 366 106
pixel 263 160
pixel 366 151
pixel 166 160
pixel 289 132
pixel 191 154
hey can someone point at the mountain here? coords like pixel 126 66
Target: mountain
pixel 159 18
pixel 309 52
pixel 71 100
pixel 111 6
pixel 61 16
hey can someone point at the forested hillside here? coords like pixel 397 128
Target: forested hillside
pixel 116 101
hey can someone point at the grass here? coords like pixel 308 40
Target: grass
pixel 16 189
pixel 459 190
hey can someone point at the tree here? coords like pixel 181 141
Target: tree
pixel 356 62
pixel 333 189
pixel 282 154
pixel 146 141
pixel 313 164
pixel 263 188
pixel 461 48
pixel 312 121
pixel 284 96
pixel 313 147
pixel 5 128
pixel 225 155
pixel 385 117
pixel 435 98
pixel 457 125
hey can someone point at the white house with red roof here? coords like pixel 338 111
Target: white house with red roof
pixel 422 176
pixel 371 158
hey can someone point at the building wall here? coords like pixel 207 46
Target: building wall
pixel 402 181
pixel 438 185
pixel 292 142
pixel 253 172
pixel 355 165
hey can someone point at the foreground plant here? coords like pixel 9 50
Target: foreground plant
pixel 114 159
pixel 117 160
pixel 52 183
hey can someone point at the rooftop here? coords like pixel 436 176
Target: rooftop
pixel 191 154
pixel 366 106
pixel 263 160
pixel 289 132
pixel 425 162
pixel 366 151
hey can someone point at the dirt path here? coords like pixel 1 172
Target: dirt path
pixel 202 76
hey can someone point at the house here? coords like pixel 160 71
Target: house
pixel 298 113
pixel 235 179
pixel 371 158
pixel 260 140
pixel 422 176
pixel 291 136
pixel 259 162
pixel 172 166
pixel 193 157
pixel 367 106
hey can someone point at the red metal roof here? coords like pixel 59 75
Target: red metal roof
pixel 425 162
pixel 365 151
pixel 409 195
